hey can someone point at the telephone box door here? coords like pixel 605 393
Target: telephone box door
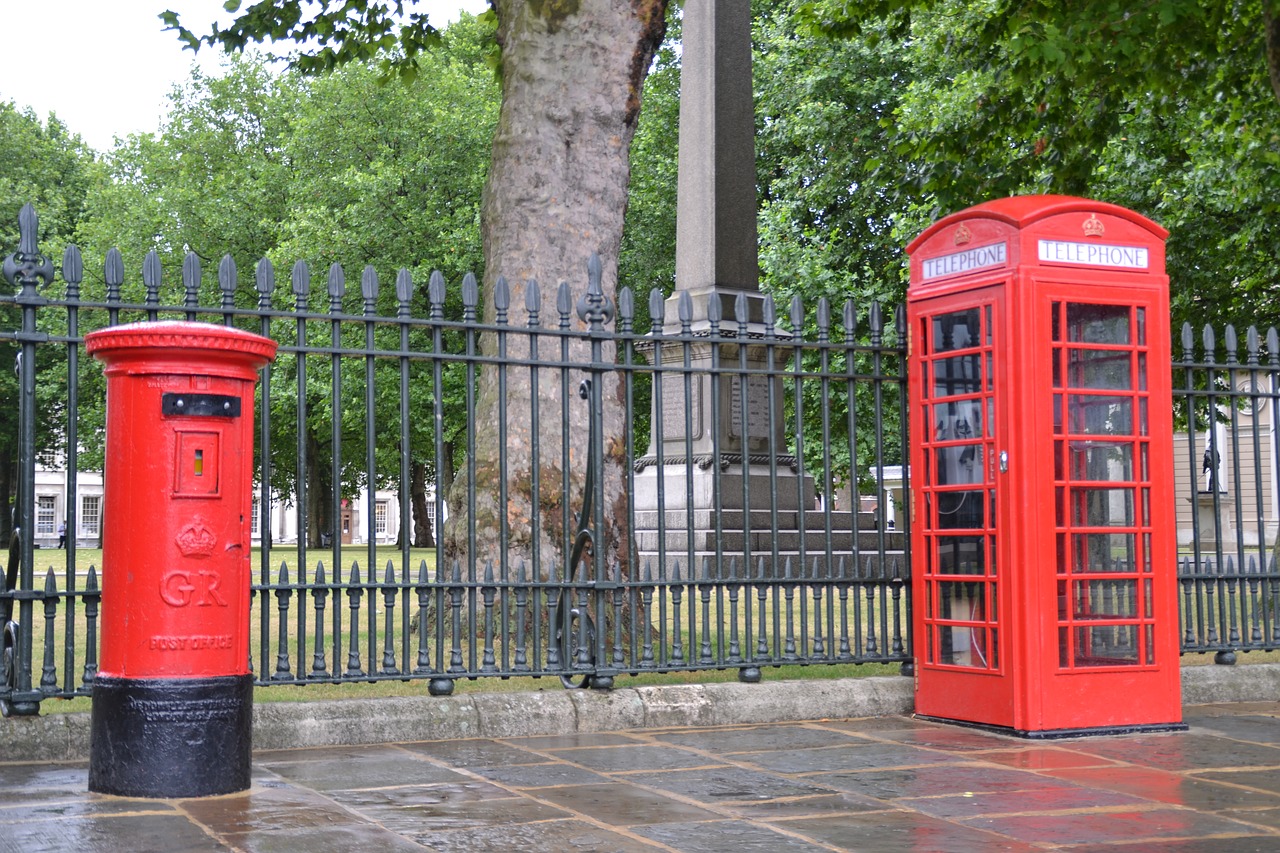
pixel 960 547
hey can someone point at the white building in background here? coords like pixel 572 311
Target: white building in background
pixel 52 508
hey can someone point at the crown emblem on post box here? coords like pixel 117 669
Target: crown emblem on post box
pixel 1093 226
pixel 963 235
pixel 196 540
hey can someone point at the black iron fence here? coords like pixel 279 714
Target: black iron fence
pixel 439 482
pixel 756 451
pixel 1227 458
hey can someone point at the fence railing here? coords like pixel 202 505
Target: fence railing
pixel 751 544
pixel 758 451
pixel 1227 449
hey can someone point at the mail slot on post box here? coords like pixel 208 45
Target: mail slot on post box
pixel 1044 563
pixel 173 698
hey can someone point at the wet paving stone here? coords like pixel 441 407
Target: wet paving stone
pixel 1043 758
pixel 758 738
pixel 412 821
pixel 1165 787
pixel 938 780
pixel 561 836
pixel 265 808
pixel 541 775
pixel 45 805
pixel 727 783
pixel 1264 817
pixel 476 753
pixel 135 833
pixel 1255 729
pixel 624 805
pixel 957 739
pixel 738 836
pixel 461 793
pixel 1252 844
pixel 901 832
pixel 1182 751
pixel 621 759
pixel 585 740
pixel 1014 802
pixel 1098 827
pixel 793 807
pixel 379 771
pixel 859 756
pixel 48 779
pixel 331 839
pixel 1264 780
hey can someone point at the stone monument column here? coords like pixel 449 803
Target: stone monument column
pixel 717 274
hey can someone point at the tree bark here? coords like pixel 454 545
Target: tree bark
pixel 572 76
pixel 422 536
pixel 1271 39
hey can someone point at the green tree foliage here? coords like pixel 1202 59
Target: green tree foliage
pixel 343 172
pixel 1167 107
pixel 46 164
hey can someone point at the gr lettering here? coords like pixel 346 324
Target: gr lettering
pixel 180 588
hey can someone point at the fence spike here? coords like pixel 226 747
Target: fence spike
pixel 390 577
pixel 369 287
pixel 191 277
pixel 1229 338
pixel 564 302
pixel 264 276
pixel 72 265
pixel 301 282
pixel 436 290
pixel 470 291
pixel 657 308
pixel 824 317
pixel 876 319
pixel 1253 344
pixel 715 311
pixel 684 308
pixel 113 273
pixel 770 310
pixel 532 300
pixel 28 230
pixel 337 287
pixel 228 278
pixel 626 306
pixel 404 289
pixel 1273 346
pixel 151 277
pixel 797 314
pixel 1188 341
pixel 850 316
pixel 501 299
pixel 1210 342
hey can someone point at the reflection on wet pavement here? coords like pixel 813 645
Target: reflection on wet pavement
pixel 882 784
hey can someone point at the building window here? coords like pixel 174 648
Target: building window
pixel 380 518
pixel 46 515
pixel 254 518
pixel 91 515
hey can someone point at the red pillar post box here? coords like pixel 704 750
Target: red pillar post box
pixel 1044 563
pixel 173 698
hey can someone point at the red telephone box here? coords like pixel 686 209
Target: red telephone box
pixel 1044 570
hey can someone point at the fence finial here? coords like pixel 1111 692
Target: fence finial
pixel 26 267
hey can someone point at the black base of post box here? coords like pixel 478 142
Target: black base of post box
pixel 171 737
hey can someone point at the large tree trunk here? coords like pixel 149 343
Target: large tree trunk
pixel 557 190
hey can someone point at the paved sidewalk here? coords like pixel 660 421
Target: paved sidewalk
pixel 875 784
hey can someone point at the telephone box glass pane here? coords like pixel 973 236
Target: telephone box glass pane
pixel 956 330
pixel 1103 369
pixel 1109 645
pixel 1104 599
pixel 1109 461
pixel 1103 552
pixel 962 646
pixel 1090 414
pixel 1102 508
pixel 961 555
pixel 1098 324
pixel 957 375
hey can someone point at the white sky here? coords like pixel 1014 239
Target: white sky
pixel 105 67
